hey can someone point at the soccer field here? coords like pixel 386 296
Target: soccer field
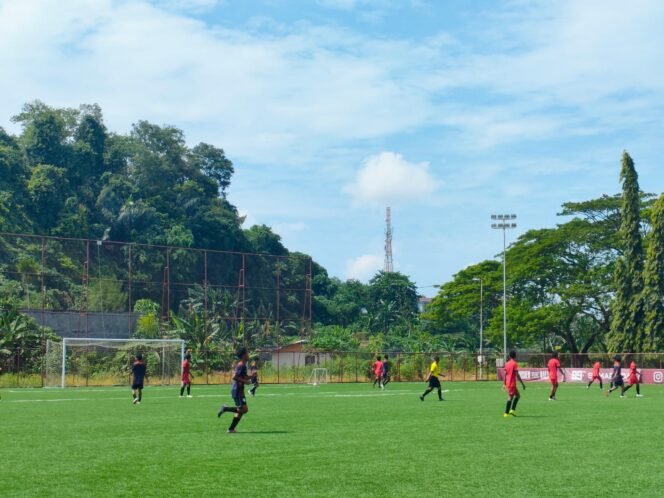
pixel 333 440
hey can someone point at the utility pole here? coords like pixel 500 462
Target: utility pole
pixel 389 266
pixel 504 222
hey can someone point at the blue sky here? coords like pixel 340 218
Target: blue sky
pixel 332 109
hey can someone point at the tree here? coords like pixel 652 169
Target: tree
pixel 627 327
pixel 392 297
pixel 212 161
pixel 653 292
pixel 456 308
pixel 47 188
pixel 263 240
pixel 45 134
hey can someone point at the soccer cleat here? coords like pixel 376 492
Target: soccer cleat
pixel 622 395
pixel 181 396
pixel 221 411
pixel 231 431
pixel 421 398
pixel 441 399
pixel 639 395
pixel 506 415
pixel 513 413
pixel 135 401
pixel 189 396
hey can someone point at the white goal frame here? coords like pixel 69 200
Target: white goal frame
pixel 319 376
pixel 91 340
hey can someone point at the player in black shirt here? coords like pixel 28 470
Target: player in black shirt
pixel 240 378
pixel 616 378
pixel 386 371
pixel 139 373
pixel 253 371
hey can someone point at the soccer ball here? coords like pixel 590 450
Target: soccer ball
pixel 315 384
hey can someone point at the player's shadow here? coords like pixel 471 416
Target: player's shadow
pixel 265 432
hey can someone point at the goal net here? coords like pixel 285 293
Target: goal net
pixel 319 376
pixel 76 362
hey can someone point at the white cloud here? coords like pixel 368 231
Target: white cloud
pixel 259 94
pixel 556 68
pixel 388 178
pixel 364 267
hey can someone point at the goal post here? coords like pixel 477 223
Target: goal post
pixel 319 376
pixel 75 362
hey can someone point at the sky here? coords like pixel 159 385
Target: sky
pixel 331 110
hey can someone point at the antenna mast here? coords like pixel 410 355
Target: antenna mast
pixel 389 267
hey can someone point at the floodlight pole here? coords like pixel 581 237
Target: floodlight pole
pixel 479 279
pixel 504 223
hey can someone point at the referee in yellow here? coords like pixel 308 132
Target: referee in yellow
pixel 433 380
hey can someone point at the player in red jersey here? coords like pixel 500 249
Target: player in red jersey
pixel 378 372
pixel 554 367
pixel 596 376
pixel 634 379
pixel 511 376
pixel 186 376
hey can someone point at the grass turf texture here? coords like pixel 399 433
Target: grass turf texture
pixel 333 440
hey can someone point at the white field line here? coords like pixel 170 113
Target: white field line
pixel 148 397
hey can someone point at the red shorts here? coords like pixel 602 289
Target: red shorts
pixel 596 377
pixel 513 390
pixel 633 379
pixel 186 379
pixel 554 382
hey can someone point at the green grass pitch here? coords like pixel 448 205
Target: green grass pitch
pixel 332 440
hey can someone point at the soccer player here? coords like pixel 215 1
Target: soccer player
pixel 554 367
pixel 386 371
pixel 511 376
pixel 378 372
pixel 240 378
pixel 139 372
pixel 596 376
pixel 254 377
pixel 186 376
pixel 634 380
pixel 616 377
pixel 433 380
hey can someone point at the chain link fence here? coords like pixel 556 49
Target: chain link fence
pixel 23 368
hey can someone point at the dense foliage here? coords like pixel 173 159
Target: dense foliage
pixel 577 287
pixel 593 282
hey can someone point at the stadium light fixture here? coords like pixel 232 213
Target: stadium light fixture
pixel 504 222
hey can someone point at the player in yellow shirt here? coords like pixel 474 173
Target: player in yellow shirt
pixel 433 380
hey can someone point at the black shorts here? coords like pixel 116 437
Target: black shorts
pixel 137 385
pixel 434 383
pixel 240 400
pixel 618 382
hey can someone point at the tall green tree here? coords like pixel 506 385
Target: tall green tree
pixel 627 327
pixel 653 292
pixel 392 299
